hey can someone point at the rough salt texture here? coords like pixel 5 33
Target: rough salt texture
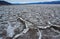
pixel 37 14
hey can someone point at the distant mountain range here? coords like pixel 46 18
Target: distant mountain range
pixel 4 3
pixel 7 3
pixel 52 2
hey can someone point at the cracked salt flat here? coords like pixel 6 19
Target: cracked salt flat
pixel 33 9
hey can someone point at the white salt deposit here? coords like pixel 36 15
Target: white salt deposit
pixel 1 38
pixel 10 30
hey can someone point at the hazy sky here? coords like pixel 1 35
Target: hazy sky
pixel 24 1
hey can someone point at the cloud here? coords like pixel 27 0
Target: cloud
pixel 24 1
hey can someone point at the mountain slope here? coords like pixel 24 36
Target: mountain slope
pixel 4 3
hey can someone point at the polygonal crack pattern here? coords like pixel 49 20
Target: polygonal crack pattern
pixel 10 25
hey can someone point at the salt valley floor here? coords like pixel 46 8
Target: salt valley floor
pixel 39 14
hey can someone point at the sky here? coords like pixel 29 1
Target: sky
pixel 28 1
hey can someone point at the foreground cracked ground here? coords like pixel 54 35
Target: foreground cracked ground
pixel 46 18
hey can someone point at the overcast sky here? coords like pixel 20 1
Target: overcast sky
pixel 24 1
